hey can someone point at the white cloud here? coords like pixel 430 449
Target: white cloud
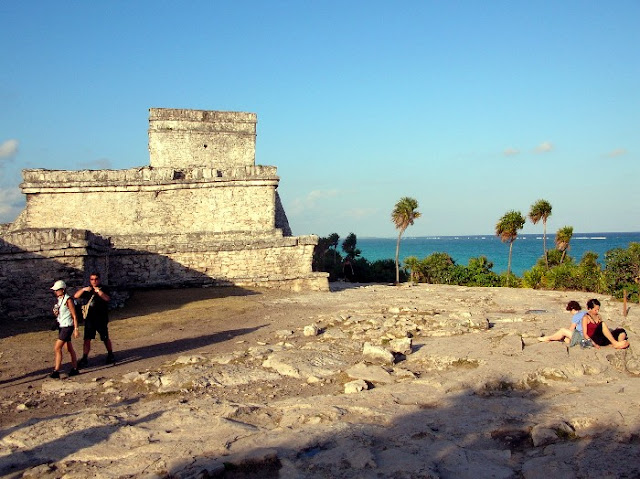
pixel 309 202
pixel 616 152
pixel 510 151
pixel 544 147
pixel 359 213
pixel 11 203
pixel 8 148
pixel 101 164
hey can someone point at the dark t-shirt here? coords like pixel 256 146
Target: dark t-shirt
pixel 99 309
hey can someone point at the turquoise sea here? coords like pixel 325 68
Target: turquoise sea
pixel 526 249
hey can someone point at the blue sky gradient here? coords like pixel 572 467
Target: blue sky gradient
pixel 473 109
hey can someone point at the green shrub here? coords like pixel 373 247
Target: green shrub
pixel 509 280
pixel 554 256
pixel 562 277
pixel 479 273
pixel 589 274
pixel 622 271
pixel 437 268
pixel 535 276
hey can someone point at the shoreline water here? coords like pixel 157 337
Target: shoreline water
pixel 527 248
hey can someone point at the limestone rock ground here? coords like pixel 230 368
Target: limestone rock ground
pixel 366 381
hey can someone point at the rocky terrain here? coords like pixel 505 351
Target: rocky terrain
pixel 366 381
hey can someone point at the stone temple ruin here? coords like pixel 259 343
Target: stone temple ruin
pixel 202 213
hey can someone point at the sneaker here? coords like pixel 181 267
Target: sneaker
pixel 111 359
pixel 55 375
pixel 84 362
pixel 74 372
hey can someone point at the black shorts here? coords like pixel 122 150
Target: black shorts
pixel 65 334
pixel 91 327
pixel 600 339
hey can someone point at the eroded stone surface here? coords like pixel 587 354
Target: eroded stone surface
pixel 468 401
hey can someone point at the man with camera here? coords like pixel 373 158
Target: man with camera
pixel 96 319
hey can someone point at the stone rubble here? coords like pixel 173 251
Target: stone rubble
pixel 445 382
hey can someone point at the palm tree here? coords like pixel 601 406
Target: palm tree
pixel 403 215
pixel 349 246
pixel 541 210
pixel 333 240
pixel 563 238
pixel 413 264
pixel 507 229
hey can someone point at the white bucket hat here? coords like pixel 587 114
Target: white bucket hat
pixel 59 285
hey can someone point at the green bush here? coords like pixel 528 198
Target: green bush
pixel 509 280
pixel 534 278
pixel 440 268
pixel 437 268
pixel 561 277
pixel 479 273
pixel 379 271
pixel 622 271
pixel 554 256
pixel 589 274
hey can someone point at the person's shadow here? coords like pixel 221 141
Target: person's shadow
pixel 144 352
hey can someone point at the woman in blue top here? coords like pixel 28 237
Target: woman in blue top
pixel 65 312
pixel 572 335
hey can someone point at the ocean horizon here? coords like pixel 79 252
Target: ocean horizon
pixel 527 248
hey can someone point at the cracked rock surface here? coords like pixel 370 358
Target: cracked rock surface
pixel 365 381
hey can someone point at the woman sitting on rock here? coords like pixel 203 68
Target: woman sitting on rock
pixel 597 331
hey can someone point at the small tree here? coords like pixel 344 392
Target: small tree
pixel 437 268
pixel 403 215
pixel 563 240
pixel 541 210
pixel 351 252
pixel 413 263
pixel 480 273
pixel 326 258
pixel 622 271
pixel 590 277
pixel 507 230
pixel 349 246
pixel 334 239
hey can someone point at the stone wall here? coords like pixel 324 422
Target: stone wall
pixel 184 138
pixel 31 260
pixel 205 259
pixel 150 200
pixel 201 214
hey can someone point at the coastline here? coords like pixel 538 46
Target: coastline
pixel 527 248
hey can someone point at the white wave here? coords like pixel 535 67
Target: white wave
pixel 590 237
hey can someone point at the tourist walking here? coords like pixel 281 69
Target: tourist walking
pixel 65 312
pixel 97 299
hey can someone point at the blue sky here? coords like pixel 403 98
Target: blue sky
pixel 473 108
